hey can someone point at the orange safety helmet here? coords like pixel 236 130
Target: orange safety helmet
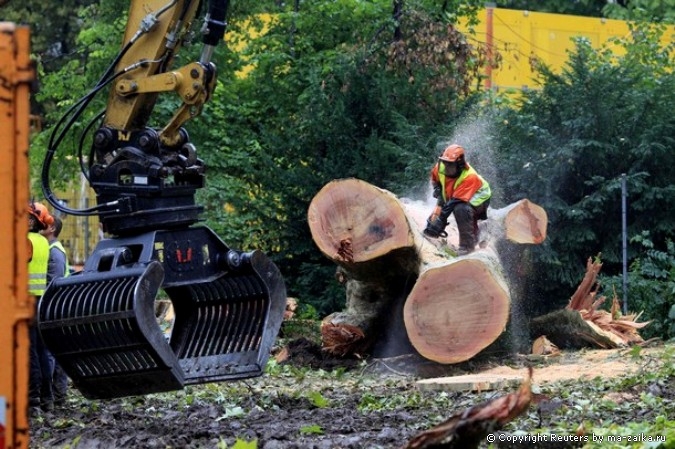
pixel 452 153
pixel 41 214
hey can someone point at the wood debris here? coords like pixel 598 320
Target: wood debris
pixel 341 339
pixel 468 428
pixel 622 329
pixel 583 322
pixel 291 307
pixel 543 346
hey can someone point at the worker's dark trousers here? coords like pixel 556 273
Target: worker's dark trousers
pixel 467 217
pixel 41 369
pixel 60 384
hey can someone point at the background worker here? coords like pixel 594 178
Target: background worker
pixel 40 394
pixel 57 267
pixel 459 189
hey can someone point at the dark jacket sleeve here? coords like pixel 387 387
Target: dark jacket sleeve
pixel 56 267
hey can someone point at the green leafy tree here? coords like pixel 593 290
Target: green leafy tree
pixel 568 145
pixel 54 27
pixel 651 287
pixel 642 10
pixel 60 89
pixel 334 89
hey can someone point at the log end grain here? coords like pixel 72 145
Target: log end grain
pixel 526 223
pixel 456 310
pixel 352 221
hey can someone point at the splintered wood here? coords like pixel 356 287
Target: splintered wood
pixel 340 339
pixel 584 323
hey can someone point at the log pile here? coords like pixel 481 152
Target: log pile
pixel 582 323
pixel 398 283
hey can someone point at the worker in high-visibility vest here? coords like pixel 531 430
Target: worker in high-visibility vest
pixel 58 267
pixel 40 395
pixel 461 191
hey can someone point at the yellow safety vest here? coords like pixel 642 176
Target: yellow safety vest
pixel 37 267
pixel 57 244
pixel 481 194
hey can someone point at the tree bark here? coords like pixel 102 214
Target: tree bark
pixel 405 293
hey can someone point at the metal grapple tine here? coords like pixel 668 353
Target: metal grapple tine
pixel 110 345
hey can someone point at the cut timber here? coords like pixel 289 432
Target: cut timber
pixel 521 222
pixel 365 231
pixel 544 347
pixel 457 309
pixel 454 307
pixel 469 382
pixel 583 324
pixel 353 222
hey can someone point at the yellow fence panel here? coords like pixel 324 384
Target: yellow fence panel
pixel 519 36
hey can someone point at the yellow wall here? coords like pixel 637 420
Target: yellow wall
pixel 518 36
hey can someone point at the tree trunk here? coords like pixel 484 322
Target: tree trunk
pixel 403 291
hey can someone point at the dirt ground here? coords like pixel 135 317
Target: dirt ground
pixel 279 410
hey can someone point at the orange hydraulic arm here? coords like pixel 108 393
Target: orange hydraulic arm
pixel 16 308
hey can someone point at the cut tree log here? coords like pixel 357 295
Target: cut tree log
pixel 405 293
pixel 457 308
pixel 584 324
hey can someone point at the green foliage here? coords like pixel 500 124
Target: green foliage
pixel 318 400
pixel 54 27
pixel 629 405
pixel 568 145
pixel 62 87
pixel 312 429
pixel 347 89
pixel 642 10
pixel 238 444
pixel 651 287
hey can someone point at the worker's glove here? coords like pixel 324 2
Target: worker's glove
pixel 449 207
pixel 435 228
pixel 437 191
